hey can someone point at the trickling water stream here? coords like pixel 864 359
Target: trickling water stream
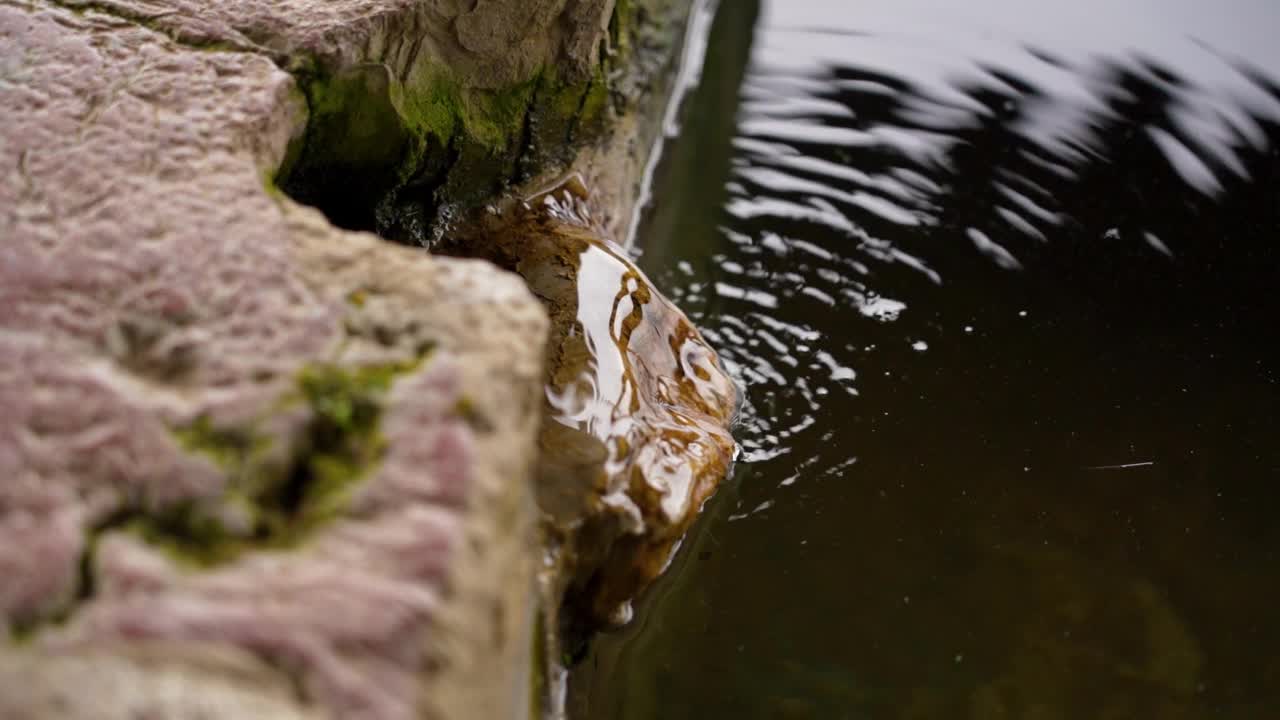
pixel 999 281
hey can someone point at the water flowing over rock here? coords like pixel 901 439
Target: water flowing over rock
pixel 637 405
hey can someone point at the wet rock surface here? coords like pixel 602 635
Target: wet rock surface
pixel 637 406
pixel 253 466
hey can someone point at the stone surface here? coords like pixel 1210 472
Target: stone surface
pixel 252 466
pixel 488 44
pixel 416 105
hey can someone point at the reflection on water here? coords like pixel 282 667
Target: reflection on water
pixel 998 279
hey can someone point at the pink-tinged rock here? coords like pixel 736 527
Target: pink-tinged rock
pixel 159 306
pixel 487 44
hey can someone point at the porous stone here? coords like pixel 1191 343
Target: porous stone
pixel 250 465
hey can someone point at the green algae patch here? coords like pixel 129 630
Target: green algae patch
pixel 552 121
pixel 188 534
pixel 496 119
pixel 354 113
pixel 385 153
pixel 433 103
pixel 590 117
pixel 354 146
pixel 345 442
pixel 272 503
pixel 620 25
pixel 226 447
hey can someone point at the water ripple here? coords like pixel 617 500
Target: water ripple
pixel 873 162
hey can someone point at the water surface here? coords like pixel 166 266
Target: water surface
pixel 998 279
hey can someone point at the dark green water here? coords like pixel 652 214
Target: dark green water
pixel 1000 286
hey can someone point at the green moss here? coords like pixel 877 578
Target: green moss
pixel 281 501
pixel 559 99
pixel 624 14
pixel 269 186
pixel 191 533
pixel 496 119
pixel 553 115
pixel 564 113
pixel 188 534
pixel 597 98
pixel 350 398
pixel 385 153
pixel 434 104
pixel 354 114
pixel 345 442
pixel 355 144
pixel 431 105
pixel 226 447
pixel 371 138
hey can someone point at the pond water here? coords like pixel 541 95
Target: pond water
pixel 999 281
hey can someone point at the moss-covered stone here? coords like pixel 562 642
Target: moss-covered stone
pixel 281 502
pixel 591 114
pixel 226 447
pixel 387 153
pixel 620 25
pixel 355 145
pixel 344 440
pixel 189 534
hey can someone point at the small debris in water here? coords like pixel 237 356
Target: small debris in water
pixel 1157 244
pixel 1125 466
pixel 919 346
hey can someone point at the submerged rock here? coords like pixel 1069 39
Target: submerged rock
pixel 637 407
